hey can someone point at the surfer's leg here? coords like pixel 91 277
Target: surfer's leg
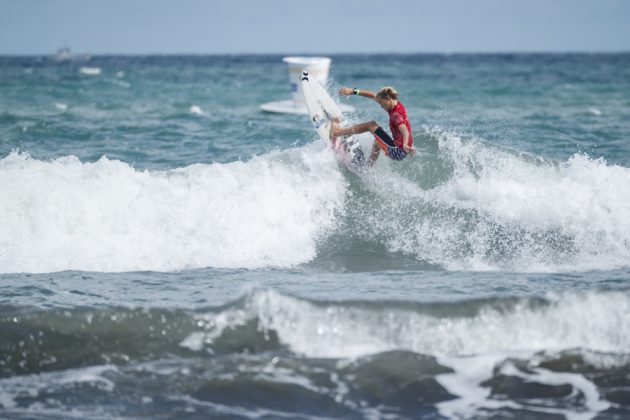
pixel 383 141
pixel 386 143
pixel 336 131
pixel 376 149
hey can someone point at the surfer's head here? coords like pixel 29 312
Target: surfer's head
pixel 387 97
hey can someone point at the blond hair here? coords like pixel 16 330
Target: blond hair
pixel 387 92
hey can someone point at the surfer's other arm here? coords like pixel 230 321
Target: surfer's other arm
pixel 406 137
pixel 346 91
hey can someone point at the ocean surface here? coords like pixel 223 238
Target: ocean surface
pixel 167 250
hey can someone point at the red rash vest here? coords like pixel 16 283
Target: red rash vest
pixel 398 116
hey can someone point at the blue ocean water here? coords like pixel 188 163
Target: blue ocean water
pixel 167 250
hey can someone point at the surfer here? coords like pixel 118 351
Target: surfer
pixel 397 148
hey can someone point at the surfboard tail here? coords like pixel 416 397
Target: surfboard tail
pixel 323 111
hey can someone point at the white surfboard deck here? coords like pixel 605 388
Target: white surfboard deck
pixel 322 110
pixel 291 107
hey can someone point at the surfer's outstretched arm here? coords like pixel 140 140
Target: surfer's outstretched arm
pixel 346 91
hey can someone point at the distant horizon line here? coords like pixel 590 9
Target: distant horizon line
pixel 224 54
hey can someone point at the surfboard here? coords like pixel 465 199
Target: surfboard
pixel 322 109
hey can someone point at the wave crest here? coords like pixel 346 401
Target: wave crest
pixel 107 216
pixel 462 204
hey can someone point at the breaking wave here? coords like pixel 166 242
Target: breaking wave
pixel 461 205
pixel 562 354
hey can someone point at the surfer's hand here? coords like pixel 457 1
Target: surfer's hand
pixel 410 150
pixel 346 91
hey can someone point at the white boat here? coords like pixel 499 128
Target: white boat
pixel 318 68
pixel 64 54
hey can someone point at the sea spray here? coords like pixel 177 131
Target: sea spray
pixel 492 208
pixel 462 204
pixel 107 216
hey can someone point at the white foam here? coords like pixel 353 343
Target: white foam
pixel 91 374
pixel 61 106
pixel 590 321
pixel 122 84
pixel 90 71
pixel 465 383
pixel 584 202
pixel 594 111
pixel 498 210
pixel 196 110
pixel 7 401
pixel 194 341
pixel 107 216
pixel 469 373
pixel 592 399
pixel 21 387
pixel 473 346
pixel 215 325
